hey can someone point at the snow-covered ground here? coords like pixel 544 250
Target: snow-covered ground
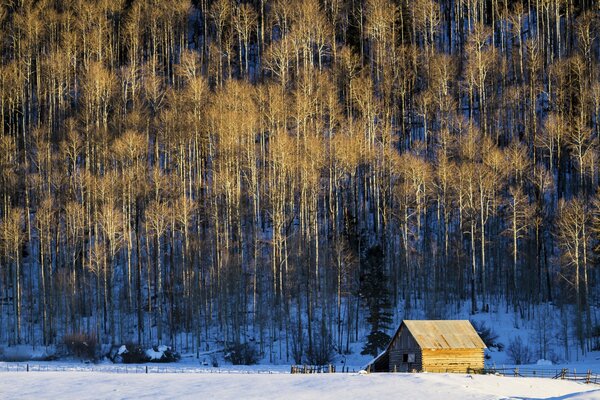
pixel 98 385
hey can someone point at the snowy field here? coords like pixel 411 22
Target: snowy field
pixel 99 385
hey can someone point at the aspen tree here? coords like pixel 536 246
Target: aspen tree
pixel 156 222
pixel 11 239
pixel 572 231
pixel 245 20
pixel 519 214
pixel 44 219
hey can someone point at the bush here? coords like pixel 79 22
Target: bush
pixel 170 355
pixel 134 354
pixel 81 345
pixel 518 352
pixel 487 334
pixel 242 354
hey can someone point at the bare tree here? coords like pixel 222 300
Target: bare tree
pixel 12 238
pixel 572 230
pixel 519 214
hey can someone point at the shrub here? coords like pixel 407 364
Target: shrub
pixel 242 354
pixel 518 352
pixel 170 355
pixel 81 345
pixel 135 354
pixel 487 334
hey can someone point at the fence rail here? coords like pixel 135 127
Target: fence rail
pixel 582 377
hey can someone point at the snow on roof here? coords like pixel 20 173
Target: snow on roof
pixel 444 334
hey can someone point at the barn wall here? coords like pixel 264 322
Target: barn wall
pixel 402 344
pixel 381 364
pixel 452 360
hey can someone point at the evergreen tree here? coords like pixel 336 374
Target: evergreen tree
pixel 375 292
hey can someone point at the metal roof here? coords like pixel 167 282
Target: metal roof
pixel 445 334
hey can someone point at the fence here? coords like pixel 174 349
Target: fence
pixel 582 377
pixel 125 369
pixel 588 376
pixel 313 369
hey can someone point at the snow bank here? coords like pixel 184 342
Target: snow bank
pixel 25 352
pixel 157 354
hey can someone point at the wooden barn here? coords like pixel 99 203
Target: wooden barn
pixel 432 346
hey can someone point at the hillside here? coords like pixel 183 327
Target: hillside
pixel 297 175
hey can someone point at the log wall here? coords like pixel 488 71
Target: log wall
pixel 452 360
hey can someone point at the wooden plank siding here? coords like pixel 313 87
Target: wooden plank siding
pixel 456 360
pixel 404 343
pixel 397 363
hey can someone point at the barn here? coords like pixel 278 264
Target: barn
pixel 432 346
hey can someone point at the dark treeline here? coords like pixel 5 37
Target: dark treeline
pixel 171 171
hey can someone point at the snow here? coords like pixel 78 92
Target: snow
pixel 101 385
pixel 543 362
pixel 157 355
pixel 25 352
pixel 122 350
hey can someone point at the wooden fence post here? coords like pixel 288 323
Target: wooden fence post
pixel 589 375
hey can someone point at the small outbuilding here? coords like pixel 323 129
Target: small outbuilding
pixel 432 346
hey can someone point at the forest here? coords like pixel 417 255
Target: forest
pixel 291 172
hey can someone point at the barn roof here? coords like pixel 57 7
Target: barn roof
pixel 445 334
